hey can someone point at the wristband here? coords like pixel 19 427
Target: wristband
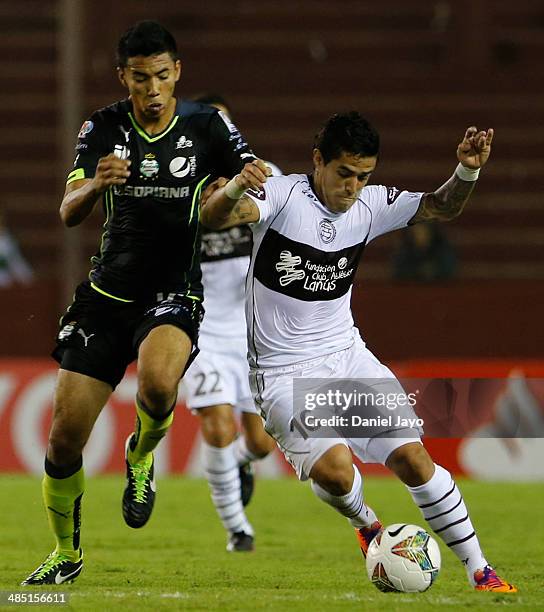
pixel 233 191
pixel 467 174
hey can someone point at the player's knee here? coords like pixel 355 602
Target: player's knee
pixel 218 426
pixel 334 471
pixel 260 444
pixel 65 445
pixel 412 464
pixel 157 393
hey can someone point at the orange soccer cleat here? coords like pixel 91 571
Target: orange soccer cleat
pixel 487 580
pixel 365 535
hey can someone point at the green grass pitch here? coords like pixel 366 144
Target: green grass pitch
pixel 306 559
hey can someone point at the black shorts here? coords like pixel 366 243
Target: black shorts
pixel 100 336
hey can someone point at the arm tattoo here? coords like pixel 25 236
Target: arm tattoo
pixel 242 209
pixel 446 203
pixel 223 213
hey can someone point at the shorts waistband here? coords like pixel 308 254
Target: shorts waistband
pixel 299 365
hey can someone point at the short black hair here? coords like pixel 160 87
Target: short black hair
pixel 211 99
pixel 145 38
pixel 347 133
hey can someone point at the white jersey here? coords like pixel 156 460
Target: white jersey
pixel 225 260
pixel 303 265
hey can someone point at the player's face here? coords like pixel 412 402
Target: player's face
pixel 339 182
pixel 150 81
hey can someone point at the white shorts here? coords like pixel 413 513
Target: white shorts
pixel 220 377
pixel 273 392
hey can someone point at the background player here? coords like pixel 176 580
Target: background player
pixel 299 327
pixel 147 158
pixel 13 266
pixel 217 382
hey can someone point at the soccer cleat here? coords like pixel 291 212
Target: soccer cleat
pixel 240 541
pixel 487 580
pixel 56 569
pixel 139 495
pixel 365 535
pixel 247 482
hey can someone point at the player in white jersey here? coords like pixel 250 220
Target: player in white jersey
pixel 217 383
pixel 309 233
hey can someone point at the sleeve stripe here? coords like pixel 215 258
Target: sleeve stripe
pixel 76 175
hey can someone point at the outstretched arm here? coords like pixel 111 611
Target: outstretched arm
pixel 448 201
pixel 224 204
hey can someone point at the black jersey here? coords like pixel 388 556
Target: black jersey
pixel 151 242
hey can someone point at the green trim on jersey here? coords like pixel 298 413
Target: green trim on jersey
pixel 75 175
pixel 113 297
pixel 108 202
pixel 145 135
pixel 196 196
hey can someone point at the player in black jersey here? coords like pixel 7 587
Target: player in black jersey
pixel 147 158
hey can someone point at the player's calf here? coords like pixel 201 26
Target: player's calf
pixel 334 472
pixel 350 504
pixel 444 509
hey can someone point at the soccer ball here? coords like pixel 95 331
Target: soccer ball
pixel 403 558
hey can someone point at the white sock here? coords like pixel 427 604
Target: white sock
pixel 241 452
pixel 221 471
pixel 350 505
pixel 442 506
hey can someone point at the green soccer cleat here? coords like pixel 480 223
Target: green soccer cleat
pixel 139 495
pixel 56 569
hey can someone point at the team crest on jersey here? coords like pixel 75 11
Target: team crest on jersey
pixel 182 166
pixel 85 129
pixel 149 166
pixel 327 231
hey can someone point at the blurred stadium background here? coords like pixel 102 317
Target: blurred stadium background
pixel 421 70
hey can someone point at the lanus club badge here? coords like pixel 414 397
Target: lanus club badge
pixel 149 166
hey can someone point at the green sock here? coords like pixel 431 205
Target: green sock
pixel 62 499
pixel 149 432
